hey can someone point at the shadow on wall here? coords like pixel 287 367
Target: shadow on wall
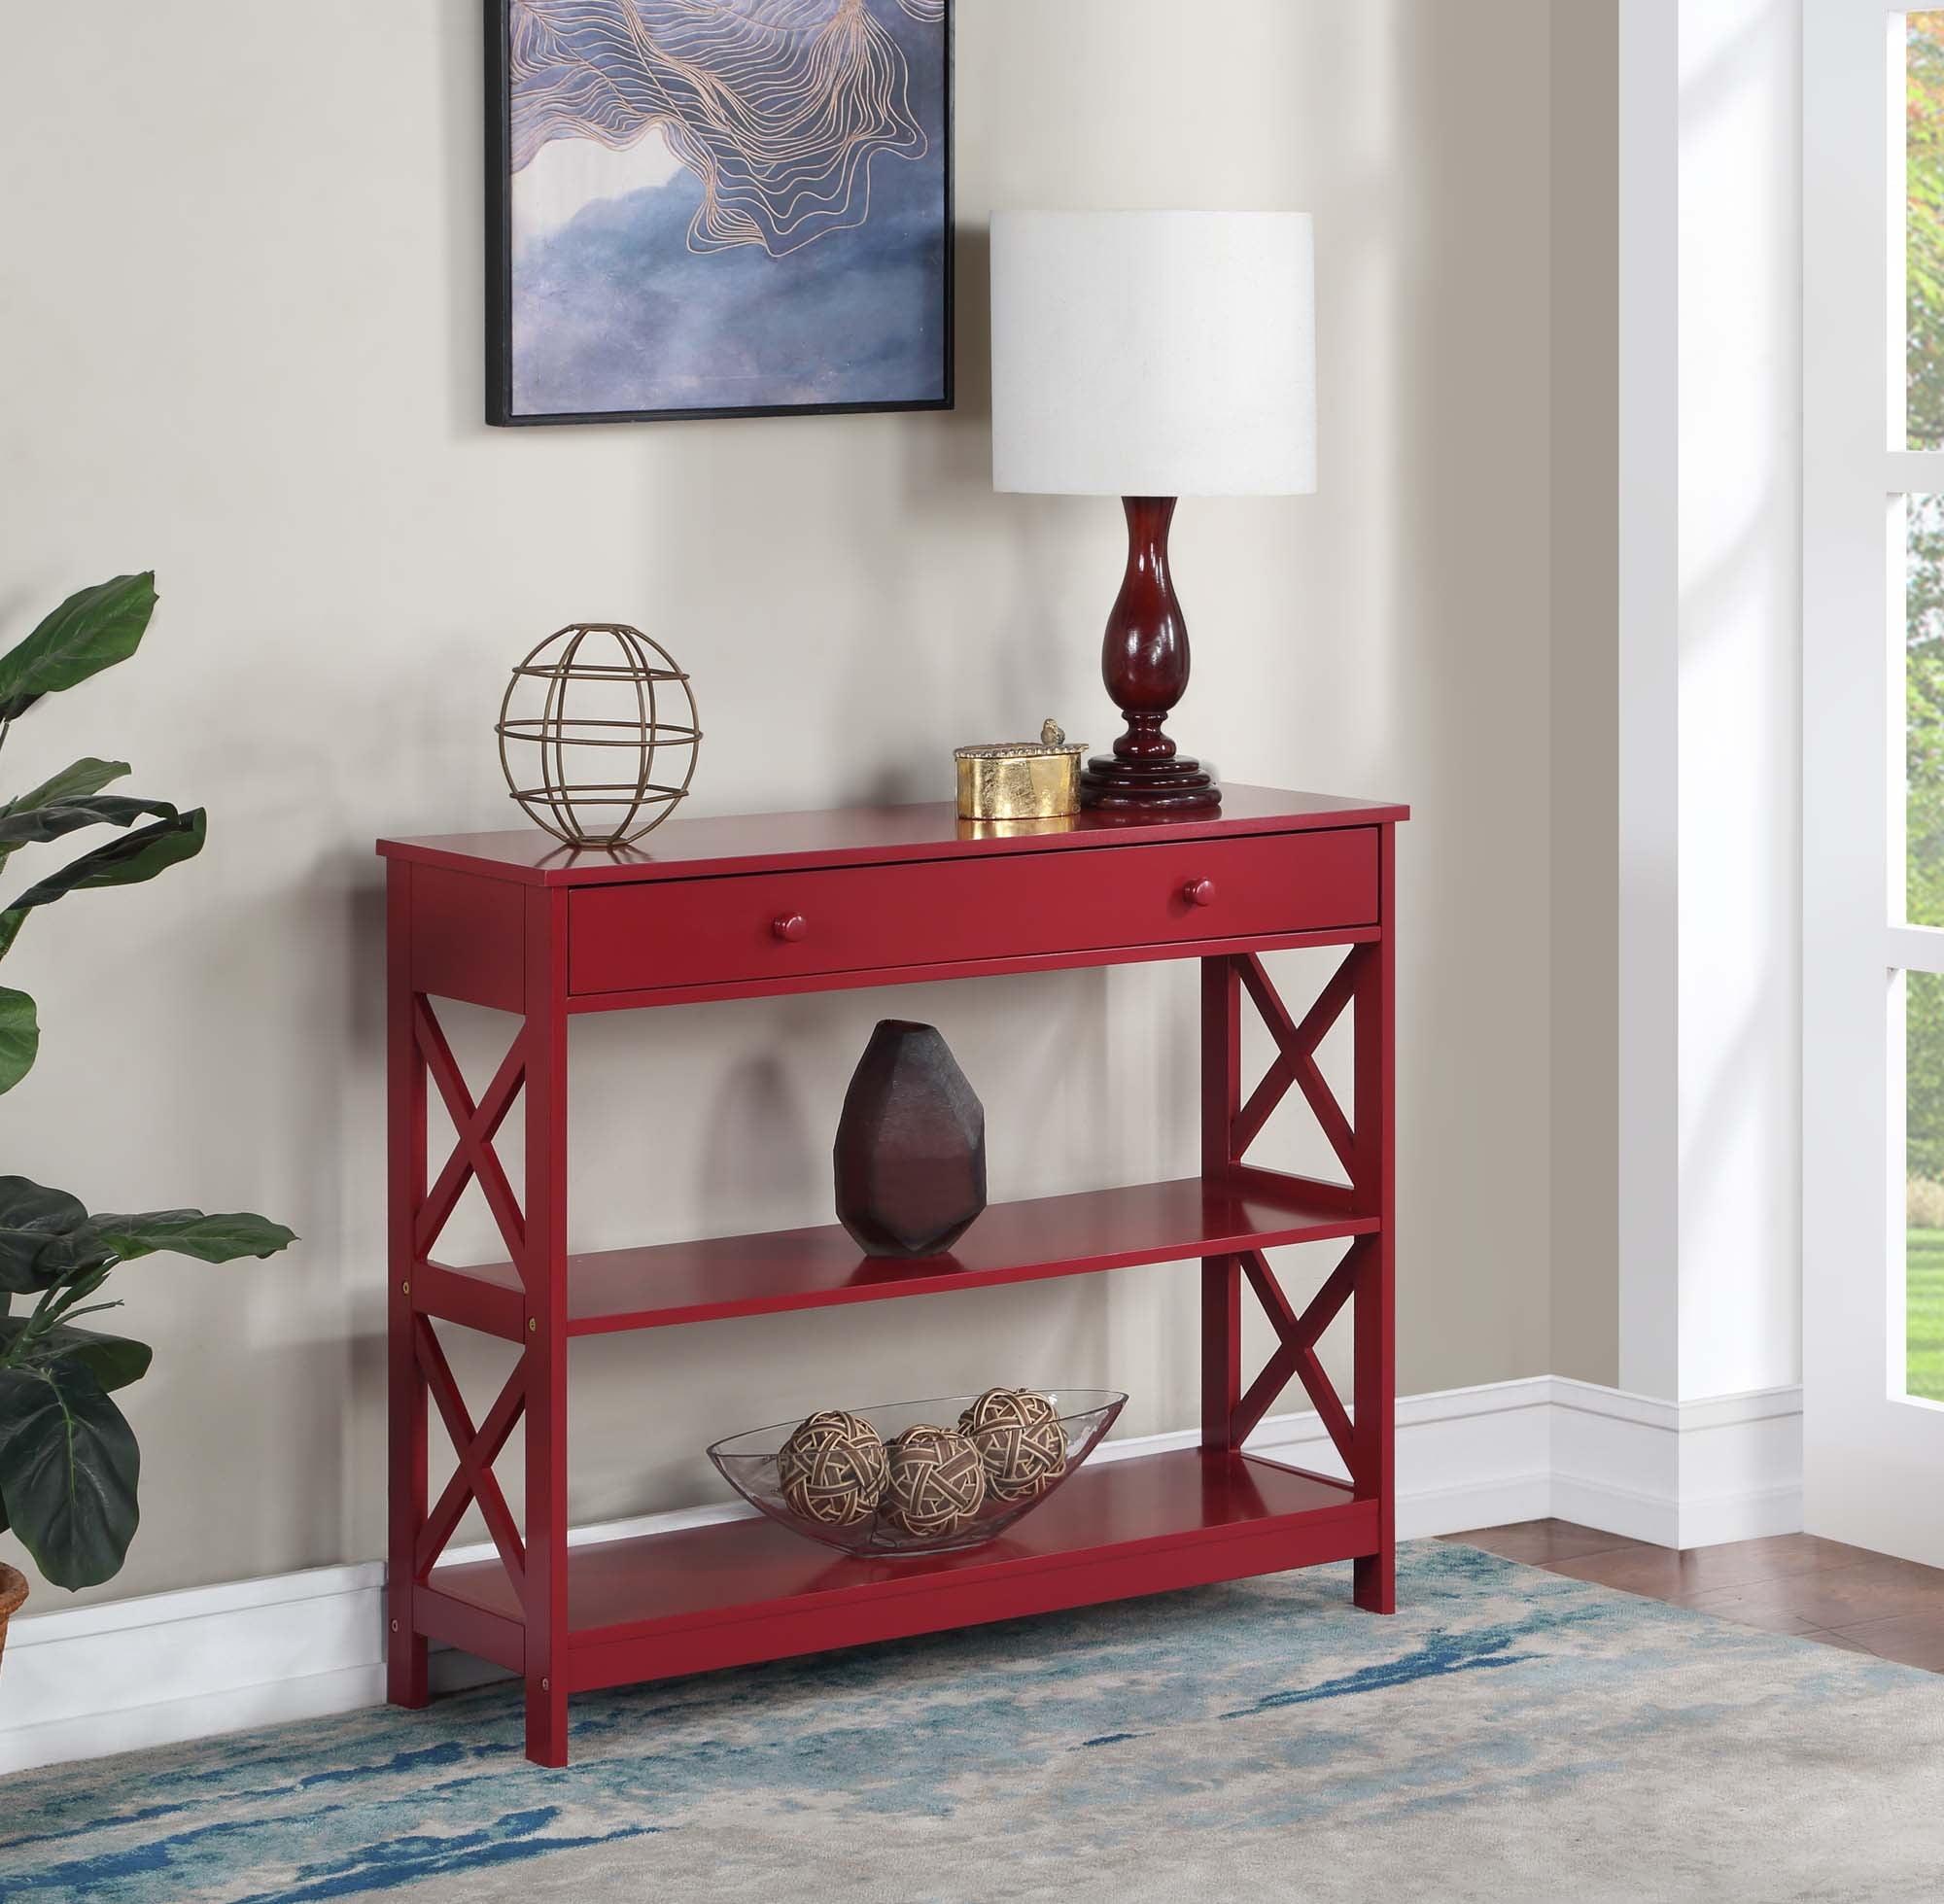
pixel 757 1126
pixel 462 191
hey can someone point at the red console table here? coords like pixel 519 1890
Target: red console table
pixel 720 909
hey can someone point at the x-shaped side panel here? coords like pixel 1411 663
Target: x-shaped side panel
pixel 1295 1058
pixel 1297 1337
pixel 476 1450
pixel 478 1124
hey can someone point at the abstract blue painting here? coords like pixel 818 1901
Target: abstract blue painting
pixel 709 207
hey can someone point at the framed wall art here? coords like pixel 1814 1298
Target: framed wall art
pixel 705 208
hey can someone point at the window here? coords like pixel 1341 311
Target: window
pixel 1921 995
pixel 1873 772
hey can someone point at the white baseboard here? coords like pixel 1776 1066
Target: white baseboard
pixel 168 1667
pixel 165 1667
pixel 1677 1474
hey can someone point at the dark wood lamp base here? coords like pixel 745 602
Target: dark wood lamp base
pixel 1144 664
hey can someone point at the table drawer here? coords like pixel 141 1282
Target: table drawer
pixel 847 918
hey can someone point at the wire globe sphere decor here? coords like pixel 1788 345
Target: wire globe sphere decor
pixel 610 719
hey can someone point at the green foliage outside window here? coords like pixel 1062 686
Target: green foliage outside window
pixel 1924 691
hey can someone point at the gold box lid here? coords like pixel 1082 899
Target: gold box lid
pixel 1052 740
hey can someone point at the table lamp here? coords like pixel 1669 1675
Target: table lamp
pixel 1152 355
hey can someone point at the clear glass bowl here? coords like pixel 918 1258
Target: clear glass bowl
pixel 748 1464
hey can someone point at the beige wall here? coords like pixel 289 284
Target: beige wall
pixel 1583 776
pixel 241 313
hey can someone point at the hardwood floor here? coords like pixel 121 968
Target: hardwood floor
pixel 1789 1583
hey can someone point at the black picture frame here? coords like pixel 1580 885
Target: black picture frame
pixel 499 410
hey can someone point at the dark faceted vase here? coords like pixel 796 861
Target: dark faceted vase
pixel 911 1146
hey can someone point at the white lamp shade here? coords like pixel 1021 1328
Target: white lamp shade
pixel 1153 353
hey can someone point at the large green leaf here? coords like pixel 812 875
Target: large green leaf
pixel 88 632
pixel 219 1238
pixel 20 1037
pixel 68 1472
pixel 127 861
pixel 124 862
pixel 114 1360
pixel 31 1217
pixel 74 782
pixel 54 817
pixel 107 1238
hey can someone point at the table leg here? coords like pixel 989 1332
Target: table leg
pixel 544 1274
pixel 1221 1275
pixel 1375 1576
pixel 405 1649
pixel 1375 1352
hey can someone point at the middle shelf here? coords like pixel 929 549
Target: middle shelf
pixel 665 1284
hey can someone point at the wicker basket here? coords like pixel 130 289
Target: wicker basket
pixel 12 1590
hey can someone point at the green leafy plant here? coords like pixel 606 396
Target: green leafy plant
pixel 68 1459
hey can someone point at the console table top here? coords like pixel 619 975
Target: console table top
pixel 852 836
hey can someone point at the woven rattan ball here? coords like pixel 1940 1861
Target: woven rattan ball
pixel 1019 1437
pixel 832 1468
pixel 937 1481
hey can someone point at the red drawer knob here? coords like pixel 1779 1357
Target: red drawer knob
pixel 792 928
pixel 1199 892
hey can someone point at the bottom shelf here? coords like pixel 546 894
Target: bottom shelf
pixel 746 1590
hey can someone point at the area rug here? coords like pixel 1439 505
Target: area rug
pixel 1508 1735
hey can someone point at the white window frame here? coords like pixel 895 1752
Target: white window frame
pixel 1872 1456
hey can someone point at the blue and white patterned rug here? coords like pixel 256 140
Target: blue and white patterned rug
pixel 1509 1735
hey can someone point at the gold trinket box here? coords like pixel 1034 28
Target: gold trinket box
pixel 1020 779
